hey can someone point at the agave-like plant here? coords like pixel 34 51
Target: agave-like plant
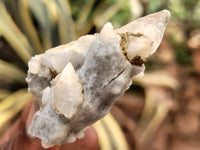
pixel 30 27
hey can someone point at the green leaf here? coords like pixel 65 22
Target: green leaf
pixel 28 26
pixel 104 15
pixel 14 36
pixel 66 25
pixel 39 10
pixel 10 72
pixel 4 93
pixel 13 104
pixel 84 17
pixel 158 80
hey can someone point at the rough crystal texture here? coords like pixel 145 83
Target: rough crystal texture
pixel 76 84
pixel 67 91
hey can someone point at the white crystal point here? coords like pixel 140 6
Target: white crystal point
pixel 34 64
pixel 80 134
pixel 107 33
pixel 67 91
pixel 71 139
pixel 145 34
pixel 46 145
pixel 35 67
pixel 140 46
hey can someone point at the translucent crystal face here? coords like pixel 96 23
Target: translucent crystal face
pixel 141 38
pixel 76 84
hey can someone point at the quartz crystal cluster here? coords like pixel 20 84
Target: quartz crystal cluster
pixel 76 84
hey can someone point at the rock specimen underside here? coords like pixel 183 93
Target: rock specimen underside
pixel 76 84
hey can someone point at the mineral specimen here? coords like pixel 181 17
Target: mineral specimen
pixel 76 84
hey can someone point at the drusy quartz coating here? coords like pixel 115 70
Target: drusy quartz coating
pixel 76 84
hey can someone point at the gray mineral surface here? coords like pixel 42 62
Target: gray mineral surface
pixel 76 84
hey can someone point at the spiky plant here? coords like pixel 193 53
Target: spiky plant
pixel 29 27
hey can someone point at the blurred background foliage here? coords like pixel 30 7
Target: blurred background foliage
pixel 156 112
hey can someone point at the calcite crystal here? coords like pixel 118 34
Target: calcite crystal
pixel 76 84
